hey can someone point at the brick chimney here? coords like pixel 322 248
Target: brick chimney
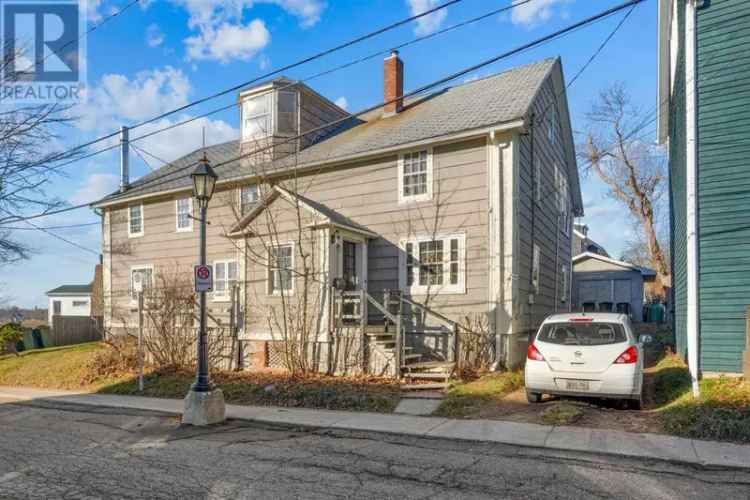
pixel 393 84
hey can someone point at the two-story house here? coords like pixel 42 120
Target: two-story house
pixel 704 118
pixel 460 201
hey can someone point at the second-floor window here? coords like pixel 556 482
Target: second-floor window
pixel 184 213
pixel 248 197
pixel 257 117
pixel 269 113
pixel 135 220
pixel 415 175
pixel 80 303
pixel 225 277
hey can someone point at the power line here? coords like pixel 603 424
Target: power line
pixel 346 65
pixel 300 62
pixel 81 37
pixel 57 236
pixel 453 76
pixel 67 226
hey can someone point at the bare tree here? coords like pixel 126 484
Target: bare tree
pixel 633 170
pixel 29 162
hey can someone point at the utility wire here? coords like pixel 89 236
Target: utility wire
pixel 345 65
pixel 61 238
pixel 524 47
pixel 66 226
pixel 300 62
pixel 81 37
pixel 420 90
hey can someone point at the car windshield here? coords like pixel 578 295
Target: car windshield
pixel 582 333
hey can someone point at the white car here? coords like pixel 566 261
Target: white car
pixel 586 354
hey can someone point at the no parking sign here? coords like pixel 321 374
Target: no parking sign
pixel 204 279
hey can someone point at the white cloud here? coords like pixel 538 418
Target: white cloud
pixel 117 99
pixel 341 102
pixel 535 12
pixel 223 35
pixel 94 187
pixel 228 41
pixel 264 62
pixel 154 35
pixel 431 22
pixel 92 10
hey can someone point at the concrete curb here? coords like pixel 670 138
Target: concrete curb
pixel 626 444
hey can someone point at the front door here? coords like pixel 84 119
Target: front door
pixel 349 266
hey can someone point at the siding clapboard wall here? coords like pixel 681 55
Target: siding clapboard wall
pixel 723 31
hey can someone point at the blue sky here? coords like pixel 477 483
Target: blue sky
pixel 165 53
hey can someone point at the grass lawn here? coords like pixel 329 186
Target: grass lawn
pixel 721 413
pixel 468 399
pixel 53 368
pixel 72 367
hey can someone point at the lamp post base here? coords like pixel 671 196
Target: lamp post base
pixel 204 408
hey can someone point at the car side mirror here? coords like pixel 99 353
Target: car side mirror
pixel 645 339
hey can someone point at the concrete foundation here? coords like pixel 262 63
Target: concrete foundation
pixel 204 408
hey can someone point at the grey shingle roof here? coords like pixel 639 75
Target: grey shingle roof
pixel 500 98
pixel 71 290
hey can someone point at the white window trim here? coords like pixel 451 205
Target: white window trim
pixel 239 196
pixel 139 267
pixel 564 284
pixel 537 181
pixel 143 221
pixel 271 113
pixel 417 197
pixel 446 288
pixel 278 293
pixel 177 215
pixel 226 297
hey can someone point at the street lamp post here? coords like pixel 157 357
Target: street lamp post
pixel 204 404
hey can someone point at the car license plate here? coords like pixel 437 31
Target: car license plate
pixel 577 385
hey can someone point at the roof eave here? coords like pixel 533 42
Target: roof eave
pixel 506 126
pixel 664 71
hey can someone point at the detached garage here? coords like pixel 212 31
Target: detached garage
pixel 607 285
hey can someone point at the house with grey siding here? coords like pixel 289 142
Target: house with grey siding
pixel 703 118
pixel 455 204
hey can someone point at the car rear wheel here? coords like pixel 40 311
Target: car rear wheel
pixel 533 397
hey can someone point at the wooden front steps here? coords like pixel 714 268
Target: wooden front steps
pixel 418 375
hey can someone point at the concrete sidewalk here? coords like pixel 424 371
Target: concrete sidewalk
pixel 647 446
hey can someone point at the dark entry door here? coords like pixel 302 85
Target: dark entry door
pixel 351 280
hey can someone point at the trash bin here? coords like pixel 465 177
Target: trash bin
pixel 36 336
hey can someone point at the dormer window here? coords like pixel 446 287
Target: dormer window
pixel 269 113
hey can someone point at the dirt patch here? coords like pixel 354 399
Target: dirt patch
pixel 582 412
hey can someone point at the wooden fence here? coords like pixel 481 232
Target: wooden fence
pixel 68 330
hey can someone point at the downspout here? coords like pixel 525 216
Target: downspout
pixel 691 181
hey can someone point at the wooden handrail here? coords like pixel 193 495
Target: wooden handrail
pixel 380 308
pixel 448 322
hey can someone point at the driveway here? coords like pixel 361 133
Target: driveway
pixel 58 450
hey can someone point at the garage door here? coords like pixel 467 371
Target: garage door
pixel 594 290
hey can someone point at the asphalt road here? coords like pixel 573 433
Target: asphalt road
pixel 56 450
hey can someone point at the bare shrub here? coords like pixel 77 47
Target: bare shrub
pixel 119 357
pixel 477 344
